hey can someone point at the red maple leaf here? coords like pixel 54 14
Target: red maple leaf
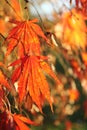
pixel 30 74
pixel 25 35
pixel 21 121
pixel 10 121
pixel 6 121
pixel 72 22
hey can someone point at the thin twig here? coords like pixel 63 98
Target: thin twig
pixel 2 36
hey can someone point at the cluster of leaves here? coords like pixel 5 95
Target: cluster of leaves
pixel 30 71
pixel 72 63
pixel 27 84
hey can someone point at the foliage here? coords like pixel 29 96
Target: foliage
pixel 38 68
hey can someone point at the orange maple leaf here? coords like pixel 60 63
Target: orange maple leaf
pixel 31 79
pixel 21 121
pixel 74 23
pixel 9 121
pixel 25 34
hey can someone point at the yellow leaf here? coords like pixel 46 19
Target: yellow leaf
pixel 75 29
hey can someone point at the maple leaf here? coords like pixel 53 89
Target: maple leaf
pixel 31 79
pixel 21 121
pixel 6 121
pixel 72 24
pixel 9 121
pixel 26 33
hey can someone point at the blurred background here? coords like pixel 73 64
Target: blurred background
pixel 68 59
